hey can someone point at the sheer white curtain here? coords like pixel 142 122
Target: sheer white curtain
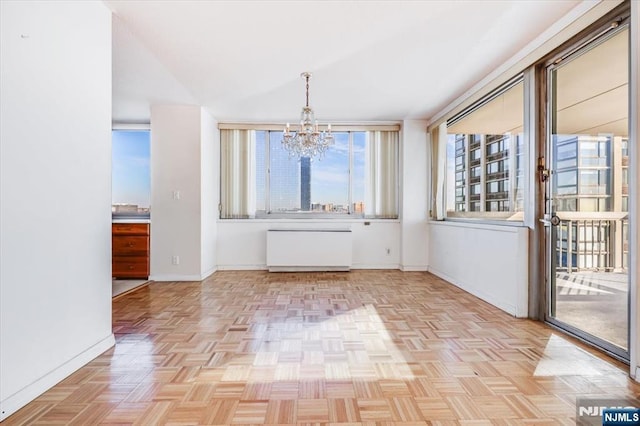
pixel 439 169
pixel 237 174
pixel 381 174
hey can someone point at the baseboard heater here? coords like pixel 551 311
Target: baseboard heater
pixel 309 250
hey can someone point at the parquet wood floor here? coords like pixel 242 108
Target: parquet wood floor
pixel 358 348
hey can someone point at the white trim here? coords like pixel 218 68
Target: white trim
pixel 175 277
pixel 207 274
pixel 293 219
pixel 391 266
pixel 414 268
pixel 129 220
pixel 479 224
pixel 309 268
pixel 579 18
pixel 130 126
pixel 30 392
pixel 262 267
pixel 340 127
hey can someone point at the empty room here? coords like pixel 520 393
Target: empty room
pixel 319 212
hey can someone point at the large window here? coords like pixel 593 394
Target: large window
pixel 485 157
pixel 131 175
pixel 357 176
pixel 305 184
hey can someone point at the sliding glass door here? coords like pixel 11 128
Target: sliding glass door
pixel 586 212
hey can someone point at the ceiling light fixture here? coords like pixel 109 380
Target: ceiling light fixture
pixel 308 141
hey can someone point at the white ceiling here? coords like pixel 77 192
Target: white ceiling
pixel 371 60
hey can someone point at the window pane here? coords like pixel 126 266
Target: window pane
pixel 495 144
pixel 330 177
pixel 567 178
pixel 131 173
pixel 358 174
pixel 335 184
pixel 306 184
pixel 284 177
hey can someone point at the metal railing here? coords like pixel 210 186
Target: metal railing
pixel 592 244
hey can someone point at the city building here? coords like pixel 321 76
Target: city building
pixel 440 320
pixel 591 178
pixel 305 184
pixel 486 177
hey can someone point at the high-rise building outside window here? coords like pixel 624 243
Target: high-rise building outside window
pixel 357 176
pixel 485 158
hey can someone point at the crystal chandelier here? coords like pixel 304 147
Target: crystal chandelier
pixel 308 141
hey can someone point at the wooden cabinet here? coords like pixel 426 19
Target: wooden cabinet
pixel 130 250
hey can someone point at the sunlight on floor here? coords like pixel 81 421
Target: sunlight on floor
pixel 563 358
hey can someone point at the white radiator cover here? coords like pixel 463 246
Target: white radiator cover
pixel 309 250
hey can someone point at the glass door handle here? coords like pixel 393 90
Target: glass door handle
pixel 549 220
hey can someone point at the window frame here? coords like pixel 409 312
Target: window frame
pixel 267 214
pixel 506 161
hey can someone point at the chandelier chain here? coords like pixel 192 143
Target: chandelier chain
pixel 308 141
pixel 307 78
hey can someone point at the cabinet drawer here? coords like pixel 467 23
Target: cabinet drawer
pixel 130 267
pixel 130 228
pixel 130 246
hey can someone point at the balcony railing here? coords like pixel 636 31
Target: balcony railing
pixel 592 242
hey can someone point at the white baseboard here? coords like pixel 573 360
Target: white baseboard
pixel 309 269
pixel 30 392
pixel 175 277
pixel 406 268
pixel 414 268
pixel 374 266
pixel 242 267
pixel 208 274
pixel 264 267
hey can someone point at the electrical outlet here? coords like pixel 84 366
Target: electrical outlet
pixel 175 260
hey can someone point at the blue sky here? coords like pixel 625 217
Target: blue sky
pixel 131 173
pixel 329 176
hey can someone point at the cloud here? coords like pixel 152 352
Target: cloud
pixel 329 176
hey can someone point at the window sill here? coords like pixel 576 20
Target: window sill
pixel 130 218
pixel 470 222
pixel 309 220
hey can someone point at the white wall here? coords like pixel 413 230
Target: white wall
pixel 183 197
pixel 414 205
pixel 242 243
pixel 488 261
pixel 55 134
pixel 209 192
